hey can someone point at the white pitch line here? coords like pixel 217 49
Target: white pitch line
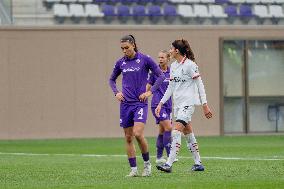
pixel 117 155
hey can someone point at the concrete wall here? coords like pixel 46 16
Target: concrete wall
pixel 54 81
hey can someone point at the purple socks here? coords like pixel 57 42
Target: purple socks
pixel 146 156
pixel 163 141
pixel 167 141
pixel 160 146
pixel 132 162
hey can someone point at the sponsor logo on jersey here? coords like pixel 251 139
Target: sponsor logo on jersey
pixel 167 80
pixel 177 79
pixel 131 69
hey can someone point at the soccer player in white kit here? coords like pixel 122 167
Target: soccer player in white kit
pixel 188 90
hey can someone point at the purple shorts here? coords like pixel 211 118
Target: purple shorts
pixel 130 113
pixel 165 114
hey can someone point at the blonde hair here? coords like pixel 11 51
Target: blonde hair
pixel 167 54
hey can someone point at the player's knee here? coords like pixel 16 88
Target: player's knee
pixel 128 138
pixel 138 135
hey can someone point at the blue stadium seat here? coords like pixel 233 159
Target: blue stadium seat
pixel 145 1
pixel 138 12
pixel 221 1
pixel 123 13
pixel 231 10
pixel 170 13
pixel 154 13
pixel 160 1
pixel 109 12
pixel 246 11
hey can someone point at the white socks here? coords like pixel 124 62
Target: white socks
pixel 175 147
pixel 193 148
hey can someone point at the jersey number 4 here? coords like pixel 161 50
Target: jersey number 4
pixel 140 113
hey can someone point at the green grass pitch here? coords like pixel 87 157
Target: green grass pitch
pixel 230 162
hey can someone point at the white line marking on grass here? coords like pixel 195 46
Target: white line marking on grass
pixel 117 155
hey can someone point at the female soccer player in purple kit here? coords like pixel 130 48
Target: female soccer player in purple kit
pixel 134 67
pixel 164 121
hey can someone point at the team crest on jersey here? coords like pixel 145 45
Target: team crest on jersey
pixel 138 61
pixel 123 63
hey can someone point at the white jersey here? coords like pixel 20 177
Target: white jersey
pixel 185 85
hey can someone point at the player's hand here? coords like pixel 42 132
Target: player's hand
pixel 207 112
pixel 158 109
pixel 143 97
pixel 120 96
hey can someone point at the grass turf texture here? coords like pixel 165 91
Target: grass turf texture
pixel 77 171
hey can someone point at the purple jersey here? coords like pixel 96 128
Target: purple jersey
pixel 135 73
pixel 159 93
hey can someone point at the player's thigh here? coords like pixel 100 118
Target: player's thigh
pixel 166 125
pixel 138 129
pixel 126 115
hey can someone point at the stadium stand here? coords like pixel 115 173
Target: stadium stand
pixel 161 11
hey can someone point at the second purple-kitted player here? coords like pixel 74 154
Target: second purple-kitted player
pixel 164 121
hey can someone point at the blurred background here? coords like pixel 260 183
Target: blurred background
pixel 56 57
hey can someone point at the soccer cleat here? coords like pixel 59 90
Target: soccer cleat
pixel 197 167
pixel 176 160
pixel 147 169
pixel 160 161
pixel 164 167
pixel 132 174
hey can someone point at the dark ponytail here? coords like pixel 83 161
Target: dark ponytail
pixel 184 48
pixel 130 39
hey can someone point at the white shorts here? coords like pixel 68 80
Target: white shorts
pixel 184 113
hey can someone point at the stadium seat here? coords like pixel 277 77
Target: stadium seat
pixel 207 1
pixel 217 11
pixel 252 1
pixel 192 1
pixel 145 1
pixel 49 3
pixel 276 11
pixel 170 13
pixel 201 11
pixel 186 12
pixel 84 1
pixel 267 1
pixel 177 1
pixel 123 13
pixel 246 11
pixel 221 1
pixel 92 12
pixel 279 1
pixel 68 1
pixel 138 12
pixel 60 12
pixel 231 10
pixel 261 11
pixel 160 1
pixel 76 12
pixel 237 1
pixel 154 13
pixel 109 12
